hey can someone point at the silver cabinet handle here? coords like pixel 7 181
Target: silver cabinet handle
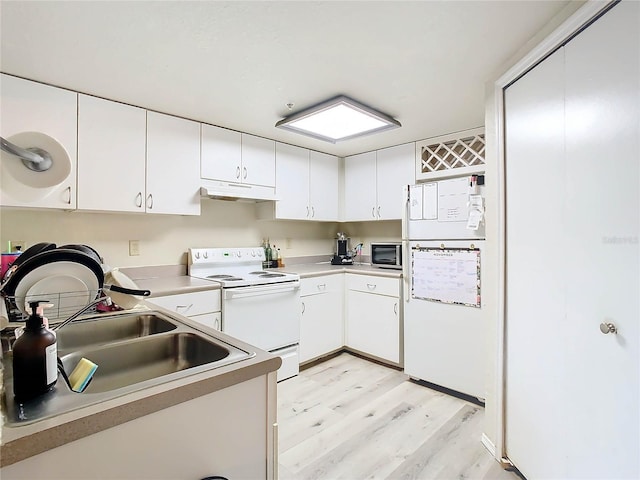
pixel 395 308
pixel 150 201
pixel 371 286
pixel 216 324
pixel 238 171
pixel 307 211
pixel 304 307
pixel 313 212
pixel 185 308
pixel 322 286
pixel 68 189
pixel 606 327
pixel 378 211
pixel 373 212
pixel 245 172
pixel 139 200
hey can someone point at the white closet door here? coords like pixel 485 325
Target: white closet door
pixel 535 176
pixel 573 257
pixel 603 227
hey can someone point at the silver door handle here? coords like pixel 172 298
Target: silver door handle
pixel 303 308
pixel 606 327
pixel 245 172
pixel 322 286
pixel 69 197
pixel 373 212
pixel 395 308
pixel 313 212
pixel 371 286
pixel 238 171
pixel 139 200
pixel 307 211
pixel 150 201
pixel 378 211
pixel 185 308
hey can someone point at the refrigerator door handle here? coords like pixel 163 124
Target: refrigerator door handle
pixel 406 246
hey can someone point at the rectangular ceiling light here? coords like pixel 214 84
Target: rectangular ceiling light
pixel 338 119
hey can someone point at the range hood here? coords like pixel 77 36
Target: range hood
pixel 219 190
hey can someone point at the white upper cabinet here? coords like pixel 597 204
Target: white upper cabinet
pixel 111 155
pixel 221 154
pixel 258 161
pixel 374 180
pixel 173 165
pixel 306 184
pixel 292 182
pixel 27 106
pixel 324 174
pixel 360 187
pixel 395 168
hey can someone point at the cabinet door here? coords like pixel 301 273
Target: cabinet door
pixel 258 161
pixel 33 107
pixel 395 168
pixel 360 187
pixel 221 154
pixel 292 182
pixel 322 322
pixel 224 433
pixel 173 165
pixel 372 325
pixel 324 174
pixel 111 155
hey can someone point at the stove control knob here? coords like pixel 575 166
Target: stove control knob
pixel 197 254
pixel 205 255
pixel 239 254
pixel 253 253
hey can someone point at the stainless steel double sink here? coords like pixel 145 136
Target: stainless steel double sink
pixel 133 351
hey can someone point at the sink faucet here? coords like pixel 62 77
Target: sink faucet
pixel 83 310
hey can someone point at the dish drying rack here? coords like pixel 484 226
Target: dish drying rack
pixel 64 304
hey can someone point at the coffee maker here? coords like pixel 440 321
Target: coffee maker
pixel 343 252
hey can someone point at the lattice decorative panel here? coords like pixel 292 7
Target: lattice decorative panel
pixel 467 151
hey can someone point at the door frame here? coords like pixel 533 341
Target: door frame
pixel 575 23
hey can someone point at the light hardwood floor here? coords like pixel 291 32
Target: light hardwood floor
pixel 349 418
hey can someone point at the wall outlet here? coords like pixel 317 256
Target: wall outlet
pixel 15 245
pixel 134 248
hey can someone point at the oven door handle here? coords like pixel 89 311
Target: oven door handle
pixel 244 292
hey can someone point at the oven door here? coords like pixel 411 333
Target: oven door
pixel 267 316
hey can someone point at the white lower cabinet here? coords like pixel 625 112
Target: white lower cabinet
pixel 322 325
pixel 226 433
pixel 203 307
pixel 373 312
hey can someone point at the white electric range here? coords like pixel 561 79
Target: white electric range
pixel 260 307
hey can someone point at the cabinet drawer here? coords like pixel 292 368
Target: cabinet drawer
pixel 326 283
pixel 371 284
pixel 190 304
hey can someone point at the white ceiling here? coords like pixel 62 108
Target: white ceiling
pixel 237 64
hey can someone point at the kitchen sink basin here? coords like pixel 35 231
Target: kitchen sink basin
pixel 133 350
pixel 128 363
pixel 97 331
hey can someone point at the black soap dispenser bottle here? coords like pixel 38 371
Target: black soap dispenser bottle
pixel 35 357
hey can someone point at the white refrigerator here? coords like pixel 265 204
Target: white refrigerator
pixel 443 247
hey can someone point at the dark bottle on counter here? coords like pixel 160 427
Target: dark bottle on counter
pixel 35 358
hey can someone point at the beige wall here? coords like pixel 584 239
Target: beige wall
pixel 164 239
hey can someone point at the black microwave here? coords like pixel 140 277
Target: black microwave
pixel 386 255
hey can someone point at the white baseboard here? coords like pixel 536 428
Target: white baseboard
pixel 488 444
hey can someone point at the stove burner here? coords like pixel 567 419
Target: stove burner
pixel 259 272
pixel 220 276
pixel 271 275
